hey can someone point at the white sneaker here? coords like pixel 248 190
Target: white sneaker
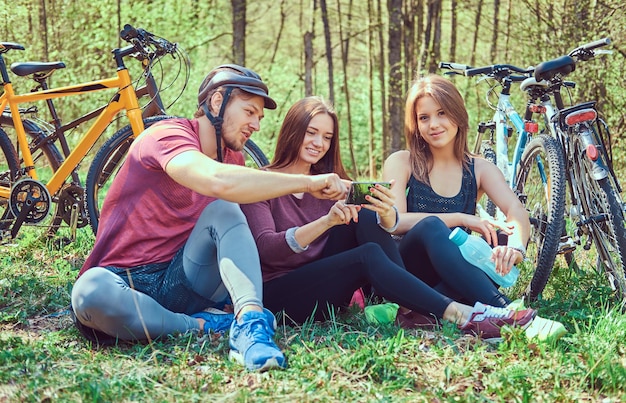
pixel 540 328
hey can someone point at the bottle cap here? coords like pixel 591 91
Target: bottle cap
pixel 458 236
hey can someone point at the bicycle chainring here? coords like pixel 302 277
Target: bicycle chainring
pixel 72 195
pixel 27 192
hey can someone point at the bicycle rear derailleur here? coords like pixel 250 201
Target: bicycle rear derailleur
pixel 70 209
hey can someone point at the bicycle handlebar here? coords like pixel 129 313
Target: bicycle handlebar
pixel 586 51
pixel 143 42
pixel 498 71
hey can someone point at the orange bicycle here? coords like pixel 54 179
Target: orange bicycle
pixel 27 198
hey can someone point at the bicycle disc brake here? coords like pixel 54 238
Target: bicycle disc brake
pixel 29 202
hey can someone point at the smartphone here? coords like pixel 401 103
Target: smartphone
pixel 358 191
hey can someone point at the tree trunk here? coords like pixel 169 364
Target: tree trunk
pixel 280 32
pixel 494 36
pixel 370 70
pixel 43 26
pixel 329 51
pixel 435 54
pixel 239 31
pixel 508 32
pixel 394 8
pixel 381 77
pixel 345 46
pixel 479 10
pixel 408 39
pixel 308 53
pixel 427 36
pixel 453 29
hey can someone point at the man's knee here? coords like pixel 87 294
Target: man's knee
pixel 93 291
pixel 222 210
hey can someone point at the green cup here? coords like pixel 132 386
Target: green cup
pixel 381 314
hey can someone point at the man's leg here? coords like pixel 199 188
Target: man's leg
pixel 221 250
pixel 103 301
pixel 221 258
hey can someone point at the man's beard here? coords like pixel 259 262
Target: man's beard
pixel 233 145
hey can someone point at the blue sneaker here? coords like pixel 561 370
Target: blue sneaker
pixel 251 342
pixel 215 321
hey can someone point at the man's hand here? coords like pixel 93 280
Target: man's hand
pixel 328 186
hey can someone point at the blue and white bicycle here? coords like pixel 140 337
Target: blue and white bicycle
pixel 562 171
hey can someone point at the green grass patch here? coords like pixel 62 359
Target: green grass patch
pixel 44 358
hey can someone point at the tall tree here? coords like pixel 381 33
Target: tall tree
pixel 239 31
pixel 496 21
pixel 281 26
pixel 426 41
pixel 43 21
pixel 370 70
pixel 453 29
pixel 345 46
pixel 394 8
pixel 479 10
pixel 381 77
pixel 408 39
pixel 435 54
pixel 329 51
pixel 308 52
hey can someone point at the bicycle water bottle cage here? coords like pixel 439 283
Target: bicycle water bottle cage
pixel 548 70
pixel 27 68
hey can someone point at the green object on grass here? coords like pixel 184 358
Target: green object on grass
pixel 381 313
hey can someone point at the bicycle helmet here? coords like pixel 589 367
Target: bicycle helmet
pixel 241 78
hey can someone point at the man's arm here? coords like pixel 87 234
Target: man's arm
pixel 240 184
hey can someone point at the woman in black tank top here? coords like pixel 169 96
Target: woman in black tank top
pixel 437 185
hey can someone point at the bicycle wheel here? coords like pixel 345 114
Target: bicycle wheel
pixel 540 184
pixel 254 153
pixel 110 157
pixel 46 155
pixel 9 166
pixel 488 153
pixel 603 217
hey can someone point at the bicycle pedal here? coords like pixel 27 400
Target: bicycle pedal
pixel 566 246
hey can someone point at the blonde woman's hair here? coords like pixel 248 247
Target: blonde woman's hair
pixel 451 101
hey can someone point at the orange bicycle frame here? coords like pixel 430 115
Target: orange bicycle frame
pixel 125 99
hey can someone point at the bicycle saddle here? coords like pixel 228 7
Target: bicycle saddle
pixel 561 65
pixel 27 68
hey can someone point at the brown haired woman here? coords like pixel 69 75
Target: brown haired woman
pixel 316 253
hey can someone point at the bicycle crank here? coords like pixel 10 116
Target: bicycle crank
pixel 29 203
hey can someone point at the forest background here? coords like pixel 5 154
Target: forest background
pixel 362 55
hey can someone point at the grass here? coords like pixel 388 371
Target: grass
pixel 44 358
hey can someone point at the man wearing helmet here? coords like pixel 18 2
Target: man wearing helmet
pixel 172 240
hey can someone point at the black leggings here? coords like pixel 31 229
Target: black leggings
pixel 356 255
pixel 430 255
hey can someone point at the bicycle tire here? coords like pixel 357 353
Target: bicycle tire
pixel 488 153
pixel 110 156
pixel 9 167
pixel 38 145
pixel 542 158
pixel 599 198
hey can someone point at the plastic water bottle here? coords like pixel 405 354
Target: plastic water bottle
pixel 478 252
